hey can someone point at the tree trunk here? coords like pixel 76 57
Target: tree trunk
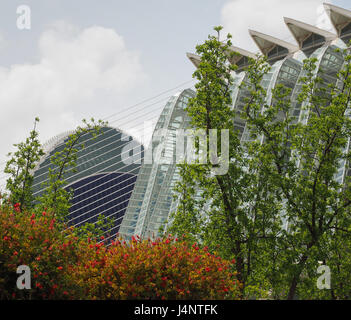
pixel 296 278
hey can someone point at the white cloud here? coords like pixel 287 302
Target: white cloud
pixel 323 21
pixel 80 73
pixel 266 16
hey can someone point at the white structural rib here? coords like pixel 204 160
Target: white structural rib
pixel 194 58
pixel 301 31
pixel 339 17
pixel 267 43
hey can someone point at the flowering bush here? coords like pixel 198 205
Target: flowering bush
pixel 161 269
pixel 36 241
pixel 64 266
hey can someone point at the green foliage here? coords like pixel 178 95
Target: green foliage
pixel 95 230
pixel 279 209
pixel 20 168
pixel 221 223
pixel 300 161
pixel 56 198
pixel 188 218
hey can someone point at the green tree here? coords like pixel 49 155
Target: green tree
pixel 227 223
pixel 279 210
pixel 55 197
pixel 20 168
pixel 300 161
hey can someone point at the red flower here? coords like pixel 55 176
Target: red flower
pixel 60 268
pixel 38 285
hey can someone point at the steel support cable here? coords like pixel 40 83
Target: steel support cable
pixel 98 164
pixel 127 142
pixel 104 169
pixel 98 142
pixel 139 103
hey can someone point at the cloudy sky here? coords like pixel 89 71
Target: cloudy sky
pixel 116 59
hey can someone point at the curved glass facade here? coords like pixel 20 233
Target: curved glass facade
pixel 151 201
pixel 103 179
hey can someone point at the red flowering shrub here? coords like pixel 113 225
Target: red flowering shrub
pixel 163 269
pixel 35 241
pixel 65 267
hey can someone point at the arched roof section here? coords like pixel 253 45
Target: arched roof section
pixel 194 58
pixel 341 20
pixel 308 37
pixel 240 58
pixel 274 48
